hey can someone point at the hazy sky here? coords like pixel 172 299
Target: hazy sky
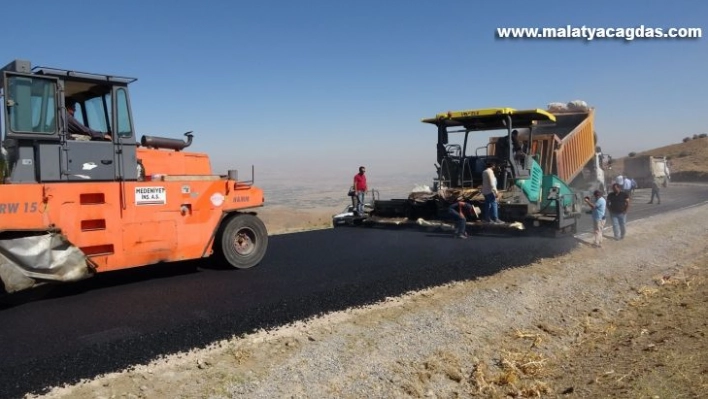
pixel 316 88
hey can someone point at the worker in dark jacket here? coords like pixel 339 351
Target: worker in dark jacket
pixel 76 128
pixel 655 192
pixel 517 147
pixel 618 204
pixel 459 211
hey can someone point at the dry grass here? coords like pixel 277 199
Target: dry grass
pixel 282 220
pixel 655 349
pixel 652 350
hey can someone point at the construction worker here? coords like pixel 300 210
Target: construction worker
pixel 598 207
pixel 459 211
pixel 654 192
pixel 79 131
pixel 618 205
pixel 620 180
pixel 627 185
pixel 360 190
pixel 490 192
pixel 518 148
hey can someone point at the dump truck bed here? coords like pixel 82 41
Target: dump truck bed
pixel 644 169
pixel 565 146
pixel 568 145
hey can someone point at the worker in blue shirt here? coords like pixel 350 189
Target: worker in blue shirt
pixel 598 215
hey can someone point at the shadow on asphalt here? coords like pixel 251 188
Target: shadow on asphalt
pixel 51 291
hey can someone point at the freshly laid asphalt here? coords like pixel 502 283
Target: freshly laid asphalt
pixel 123 318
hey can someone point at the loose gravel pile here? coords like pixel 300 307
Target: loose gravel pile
pixel 440 342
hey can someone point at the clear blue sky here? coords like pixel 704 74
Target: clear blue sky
pixel 320 87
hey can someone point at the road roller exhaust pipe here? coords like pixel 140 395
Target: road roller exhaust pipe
pixel 165 142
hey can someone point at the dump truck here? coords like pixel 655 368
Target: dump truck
pixel 535 190
pixel 73 206
pixel 567 147
pixel 571 147
pixel 645 169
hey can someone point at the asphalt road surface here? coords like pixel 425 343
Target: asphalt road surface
pixel 118 319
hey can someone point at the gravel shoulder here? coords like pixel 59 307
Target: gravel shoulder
pixel 627 320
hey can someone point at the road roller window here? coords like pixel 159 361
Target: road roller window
pixel 31 106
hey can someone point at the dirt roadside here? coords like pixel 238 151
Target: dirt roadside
pixel 626 321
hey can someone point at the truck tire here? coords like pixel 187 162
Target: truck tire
pixel 242 241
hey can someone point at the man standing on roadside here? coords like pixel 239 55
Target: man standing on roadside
pixel 360 190
pixel 598 216
pixel 654 192
pixel 490 192
pixel 620 180
pixel 618 203
pixel 627 186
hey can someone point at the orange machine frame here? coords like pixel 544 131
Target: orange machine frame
pixel 120 225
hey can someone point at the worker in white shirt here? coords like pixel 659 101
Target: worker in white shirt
pixel 627 185
pixel 490 192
